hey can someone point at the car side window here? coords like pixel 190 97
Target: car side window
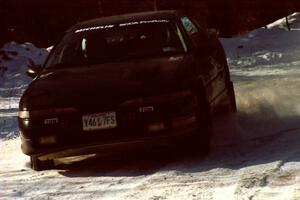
pixel 190 28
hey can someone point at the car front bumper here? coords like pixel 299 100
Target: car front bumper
pixel 173 119
pixel 181 136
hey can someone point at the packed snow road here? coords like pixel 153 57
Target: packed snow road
pixel 255 153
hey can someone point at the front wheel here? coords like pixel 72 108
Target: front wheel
pixel 200 142
pixel 204 123
pixel 39 165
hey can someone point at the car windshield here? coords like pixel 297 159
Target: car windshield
pixel 112 43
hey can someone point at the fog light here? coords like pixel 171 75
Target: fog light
pixel 156 126
pixel 184 121
pixel 26 122
pixel 48 140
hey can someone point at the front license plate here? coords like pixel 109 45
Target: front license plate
pixel 99 121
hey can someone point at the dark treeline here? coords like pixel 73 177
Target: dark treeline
pixel 43 22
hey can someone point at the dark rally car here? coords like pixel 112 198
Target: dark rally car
pixel 142 80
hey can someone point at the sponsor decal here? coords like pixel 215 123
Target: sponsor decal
pixel 120 25
pixel 51 121
pixel 146 109
pixel 94 28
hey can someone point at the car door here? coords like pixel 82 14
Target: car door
pixel 208 67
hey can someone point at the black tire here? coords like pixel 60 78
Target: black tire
pixel 231 96
pixel 200 142
pixel 39 165
pixel 221 57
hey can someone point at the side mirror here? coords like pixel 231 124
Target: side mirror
pixel 33 70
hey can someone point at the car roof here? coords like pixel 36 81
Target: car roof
pixel 117 19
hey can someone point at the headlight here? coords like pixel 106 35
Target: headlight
pixel 24 114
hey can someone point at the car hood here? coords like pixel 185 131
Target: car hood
pixel 104 86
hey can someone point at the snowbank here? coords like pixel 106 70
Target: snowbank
pixel 274 48
pixel 14 59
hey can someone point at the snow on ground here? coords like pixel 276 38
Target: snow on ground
pixel 255 153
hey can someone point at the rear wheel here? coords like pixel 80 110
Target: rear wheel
pixel 39 165
pixel 231 97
